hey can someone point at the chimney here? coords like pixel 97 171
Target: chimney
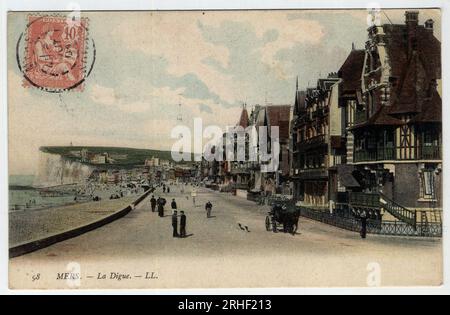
pixel 429 25
pixel 412 18
pixel 412 21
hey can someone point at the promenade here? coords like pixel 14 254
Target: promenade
pixel 138 251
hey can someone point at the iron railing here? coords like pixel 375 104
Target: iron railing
pixel 432 152
pixel 312 142
pixel 383 153
pixel 392 228
pixel 364 155
pixel 398 211
pixel 360 199
pixel 379 154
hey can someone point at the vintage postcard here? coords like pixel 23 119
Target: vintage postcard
pixel 225 149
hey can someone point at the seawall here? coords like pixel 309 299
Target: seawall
pixel 30 246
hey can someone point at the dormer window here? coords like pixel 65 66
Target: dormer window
pixel 374 60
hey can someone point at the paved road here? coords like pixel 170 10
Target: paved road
pixel 219 254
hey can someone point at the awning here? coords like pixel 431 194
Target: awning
pixel 345 176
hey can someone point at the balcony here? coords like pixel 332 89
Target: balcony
pixel 312 142
pixel 312 173
pixel 364 156
pixel 386 154
pixel 382 154
pixel 432 152
pixel 379 154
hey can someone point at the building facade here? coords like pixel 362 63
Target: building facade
pixel 397 121
pixel 312 142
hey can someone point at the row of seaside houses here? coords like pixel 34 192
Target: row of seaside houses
pixel 373 127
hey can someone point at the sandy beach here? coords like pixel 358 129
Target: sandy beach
pixel 34 224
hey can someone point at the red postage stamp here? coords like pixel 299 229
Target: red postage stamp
pixel 55 53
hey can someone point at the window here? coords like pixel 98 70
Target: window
pixel 350 112
pixel 427 184
pixel 389 138
pixel 430 138
pixel 374 60
pixel 371 103
pixel 359 143
pixel 371 141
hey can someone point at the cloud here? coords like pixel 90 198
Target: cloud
pixel 102 95
pixel 150 62
pixel 180 38
pixel 289 34
pixel 205 109
pixel 187 96
pixel 177 39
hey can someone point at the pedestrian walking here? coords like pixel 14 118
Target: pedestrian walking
pixel 208 208
pixel 175 224
pixel 161 203
pixel 168 190
pixel 182 224
pixel 164 189
pixel 193 195
pixel 174 205
pixel 153 203
pixel 363 225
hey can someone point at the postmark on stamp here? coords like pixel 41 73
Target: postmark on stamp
pixel 55 53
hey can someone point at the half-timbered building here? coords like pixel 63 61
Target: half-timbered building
pixel 311 143
pixel 396 123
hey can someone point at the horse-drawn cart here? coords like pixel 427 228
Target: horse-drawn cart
pixel 283 213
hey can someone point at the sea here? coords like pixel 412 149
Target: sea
pixel 23 196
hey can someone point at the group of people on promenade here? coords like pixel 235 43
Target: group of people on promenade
pixel 182 233
pixel 158 204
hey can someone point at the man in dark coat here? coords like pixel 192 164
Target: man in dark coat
pixel 182 224
pixel 161 203
pixel 208 208
pixel 363 232
pixel 153 203
pixel 174 205
pixel 175 224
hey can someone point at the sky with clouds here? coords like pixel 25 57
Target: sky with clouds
pixel 148 63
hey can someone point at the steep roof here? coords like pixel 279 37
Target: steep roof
pixel 396 41
pixel 244 121
pixel 432 110
pixel 325 84
pixel 380 118
pixel 300 97
pixel 280 115
pixel 351 71
pixel 414 57
pixel 414 70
